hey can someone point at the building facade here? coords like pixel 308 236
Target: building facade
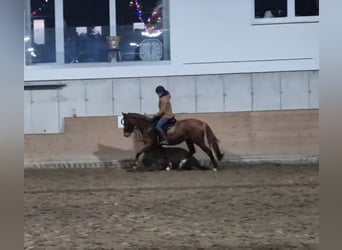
pixel 216 57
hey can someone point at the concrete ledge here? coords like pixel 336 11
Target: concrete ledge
pixel 245 161
pixel 78 164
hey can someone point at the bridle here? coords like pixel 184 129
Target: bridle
pixel 135 130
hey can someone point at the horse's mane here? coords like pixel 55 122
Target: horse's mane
pixel 140 116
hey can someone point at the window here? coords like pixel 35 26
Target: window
pixel 306 7
pixel 268 11
pixel 40 43
pixel 81 31
pixel 270 8
pixel 144 30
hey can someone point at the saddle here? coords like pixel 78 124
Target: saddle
pixel 171 123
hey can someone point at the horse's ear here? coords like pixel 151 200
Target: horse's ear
pixel 122 113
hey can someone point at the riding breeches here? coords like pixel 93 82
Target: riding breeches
pixel 162 122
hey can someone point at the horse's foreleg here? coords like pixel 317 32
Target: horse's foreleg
pixel 136 159
pixel 143 150
pixel 207 150
pixel 167 162
pixel 192 151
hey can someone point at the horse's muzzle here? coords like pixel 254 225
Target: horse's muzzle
pixel 127 134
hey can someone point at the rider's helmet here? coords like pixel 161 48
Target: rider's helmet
pixel 160 89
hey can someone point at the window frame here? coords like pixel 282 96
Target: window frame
pixel 291 16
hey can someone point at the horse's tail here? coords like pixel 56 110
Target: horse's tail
pixel 213 142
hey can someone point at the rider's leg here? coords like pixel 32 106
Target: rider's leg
pixel 159 127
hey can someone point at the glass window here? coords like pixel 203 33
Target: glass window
pixel 306 7
pixel 144 30
pixel 270 8
pixel 85 32
pixel 86 26
pixel 40 42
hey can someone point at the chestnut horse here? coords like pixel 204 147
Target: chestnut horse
pixel 192 131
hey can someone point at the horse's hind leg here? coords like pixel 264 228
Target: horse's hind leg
pixel 209 153
pixel 191 147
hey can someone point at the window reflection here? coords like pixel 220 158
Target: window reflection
pixel 40 32
pixel 139 21
pixel 141 25
pixel 270 8
pixel 86 25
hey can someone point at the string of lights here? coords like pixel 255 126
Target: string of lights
pixel 43 5
pixel 155 18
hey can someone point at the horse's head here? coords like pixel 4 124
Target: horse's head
pixel 130 121
pixel 128 124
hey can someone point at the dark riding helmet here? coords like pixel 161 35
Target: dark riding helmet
pixel 160 89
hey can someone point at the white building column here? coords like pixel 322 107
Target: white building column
pixel 166 27
pixel 59 31
pixel 112 17
pixel 291 8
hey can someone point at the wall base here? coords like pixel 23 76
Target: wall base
pixel 225 163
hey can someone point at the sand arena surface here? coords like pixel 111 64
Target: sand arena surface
pixel 239 207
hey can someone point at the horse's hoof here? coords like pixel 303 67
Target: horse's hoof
pixel 215 169
pixel 168 168
pixel 135 167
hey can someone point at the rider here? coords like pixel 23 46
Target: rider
pixel 164 114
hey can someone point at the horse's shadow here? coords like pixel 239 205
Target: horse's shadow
pixel 107 154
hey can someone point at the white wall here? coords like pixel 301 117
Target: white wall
pixel 45 109
pixel 209 37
